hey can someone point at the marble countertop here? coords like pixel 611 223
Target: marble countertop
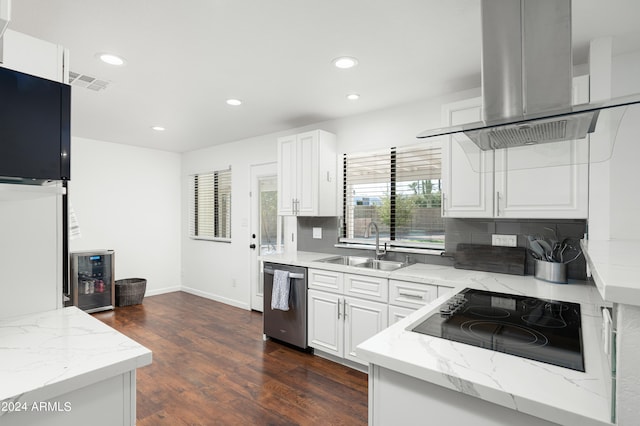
pixel 48 354
pixel 554 393
pixel 615 269
pixel 543 390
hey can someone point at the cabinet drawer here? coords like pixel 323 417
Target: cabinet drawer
pixel 411 295
pixel 326 280
pixel 372 288
pixel 444 290
pixel 396 313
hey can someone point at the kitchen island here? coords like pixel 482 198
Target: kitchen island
pixel 415 376
pixel 64 367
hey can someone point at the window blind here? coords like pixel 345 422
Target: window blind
pixel 399 189
pixel 210 212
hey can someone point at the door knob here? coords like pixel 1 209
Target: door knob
pixel 252 246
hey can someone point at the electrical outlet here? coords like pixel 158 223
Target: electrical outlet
pixel 317 233
pixel 504 240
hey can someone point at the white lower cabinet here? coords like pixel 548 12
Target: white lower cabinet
pixel 346 309
pixel 362 319
pixel 339 322
pixel 324 322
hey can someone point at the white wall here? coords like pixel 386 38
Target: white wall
pixel 219 270
pixel 624 170
pixel 213 269
pixel 127 199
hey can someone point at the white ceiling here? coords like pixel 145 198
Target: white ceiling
pixel 185 58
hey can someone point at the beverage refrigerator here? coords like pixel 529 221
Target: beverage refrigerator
pixel 92 280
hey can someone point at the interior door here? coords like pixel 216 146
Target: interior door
pixel 266 225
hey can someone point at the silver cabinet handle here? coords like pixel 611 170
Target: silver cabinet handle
pixel 339 303
pixel 345 309
pixel 497 203
pixel 410 294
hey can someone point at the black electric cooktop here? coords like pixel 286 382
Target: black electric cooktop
pixel 543 330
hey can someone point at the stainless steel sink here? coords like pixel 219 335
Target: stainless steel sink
pixel 345 260
pixel 382 265
pixel 364 262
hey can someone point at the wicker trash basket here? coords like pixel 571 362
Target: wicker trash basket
pixel 130 291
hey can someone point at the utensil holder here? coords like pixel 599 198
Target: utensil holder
pixel 552 272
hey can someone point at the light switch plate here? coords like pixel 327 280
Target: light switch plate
pixel 317 233
pixel 504 240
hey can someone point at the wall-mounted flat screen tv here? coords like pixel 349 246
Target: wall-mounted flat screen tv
pixel 35 128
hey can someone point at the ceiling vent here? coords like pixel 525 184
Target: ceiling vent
pixel 86 81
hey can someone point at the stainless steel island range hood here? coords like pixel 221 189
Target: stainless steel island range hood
pixel 527 73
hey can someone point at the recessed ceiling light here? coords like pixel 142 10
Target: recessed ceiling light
pixel 353 96
pixel 345 62
pixel 111 59
pixel 234 102
pixel 158 128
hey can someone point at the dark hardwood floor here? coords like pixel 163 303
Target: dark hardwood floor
pixel 211 367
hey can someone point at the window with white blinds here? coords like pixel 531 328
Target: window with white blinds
pixel 400 190
pixel 210 213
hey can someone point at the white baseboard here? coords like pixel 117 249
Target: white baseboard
pixel 162 291
pixel 215 297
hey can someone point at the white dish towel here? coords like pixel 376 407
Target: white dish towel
pixel 280 292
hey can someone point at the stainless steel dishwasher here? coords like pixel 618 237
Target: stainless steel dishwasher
pixel 288 326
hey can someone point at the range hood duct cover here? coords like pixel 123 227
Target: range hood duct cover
pixel 527 75
pixel 527 66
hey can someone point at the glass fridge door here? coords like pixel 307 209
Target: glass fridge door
pixel 93 280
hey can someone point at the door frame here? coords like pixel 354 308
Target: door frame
pixel 257 172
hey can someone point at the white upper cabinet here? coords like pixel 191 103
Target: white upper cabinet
pixel 548 180
pixel 307 174
pixel 30 55
pixel 467 171
pixel 540 181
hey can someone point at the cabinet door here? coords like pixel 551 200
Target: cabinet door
pixel 33 56
pixel 362 320
pixel 467 171
pixel 547 180
pixel 325 328
pixel 287 158
pixel 307 174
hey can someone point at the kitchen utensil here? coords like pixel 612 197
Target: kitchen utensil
pixel 536 247
pixel 553 272
pixel 547 249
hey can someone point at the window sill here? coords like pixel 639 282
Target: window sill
pixel 413 250
pixel 218 240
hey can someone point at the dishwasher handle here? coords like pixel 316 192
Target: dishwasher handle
pixel 292 275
